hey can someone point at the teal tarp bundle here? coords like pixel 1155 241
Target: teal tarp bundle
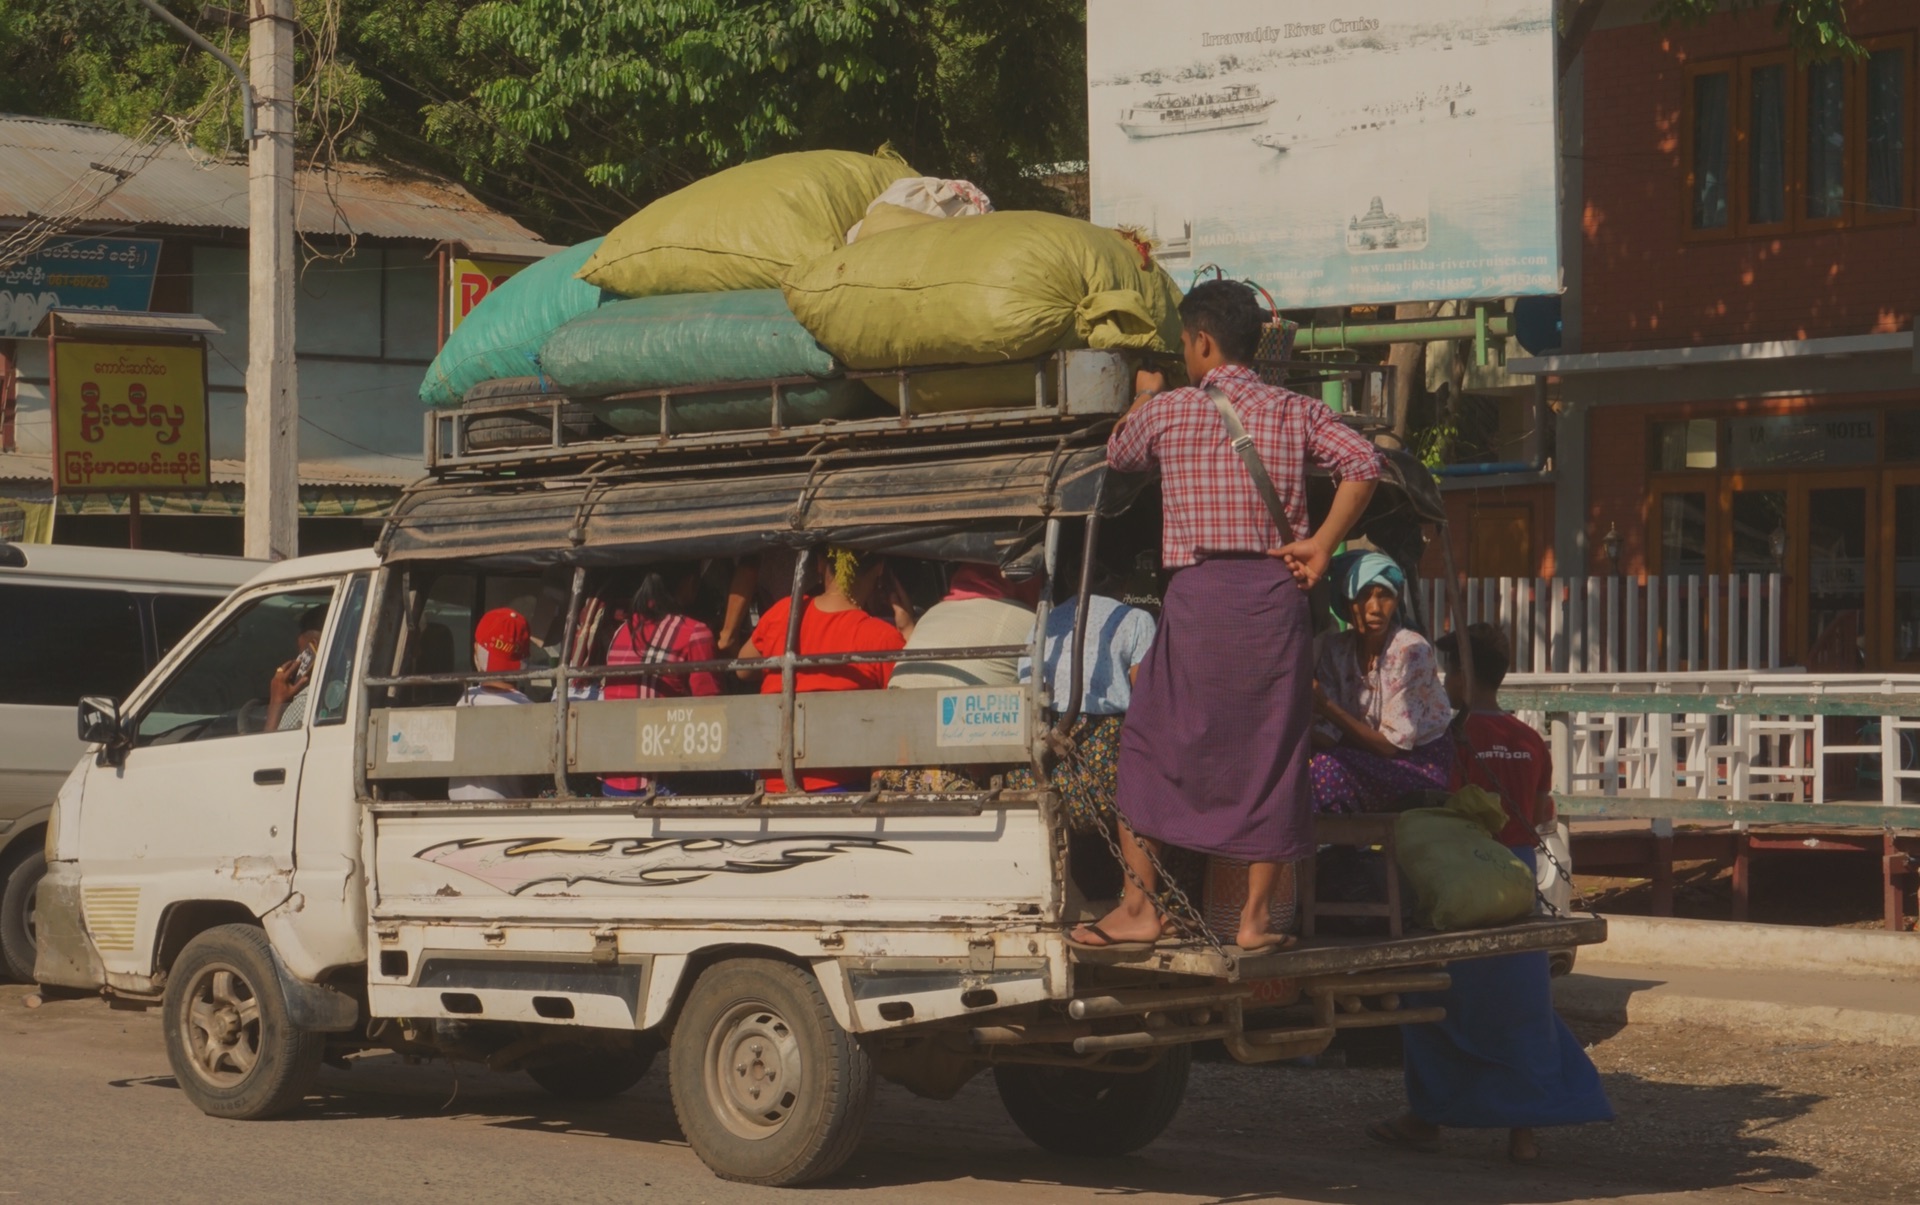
pixel 502 337
pixel 679 340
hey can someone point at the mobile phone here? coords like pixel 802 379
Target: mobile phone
pixel 303 664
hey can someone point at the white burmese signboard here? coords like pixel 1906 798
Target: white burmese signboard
pixel 1337 153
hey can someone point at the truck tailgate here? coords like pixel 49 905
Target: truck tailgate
pixel 1337 955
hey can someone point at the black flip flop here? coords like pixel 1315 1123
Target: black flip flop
pixel 1106 942
pixel 1390 1132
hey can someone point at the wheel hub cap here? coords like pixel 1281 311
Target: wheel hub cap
pixel 220 1026
pixel 754 1072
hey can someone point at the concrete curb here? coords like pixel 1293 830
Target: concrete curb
pixel 1726 946
pixel 1629 1001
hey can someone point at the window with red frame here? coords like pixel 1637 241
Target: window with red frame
pixel 1774 146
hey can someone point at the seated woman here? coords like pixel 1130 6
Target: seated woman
pixel 658 631
pixel 1117 640
pixel 1382 731
pixel 835 621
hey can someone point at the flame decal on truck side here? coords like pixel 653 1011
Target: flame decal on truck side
pixel 515 864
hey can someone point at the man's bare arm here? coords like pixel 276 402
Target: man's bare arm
pixel 1309 558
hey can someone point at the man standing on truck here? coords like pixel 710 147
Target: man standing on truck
pixel 1215 750
pixel 501 641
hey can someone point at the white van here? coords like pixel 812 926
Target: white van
pixel 76 621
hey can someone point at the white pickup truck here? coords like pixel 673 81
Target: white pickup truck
pixel 307 889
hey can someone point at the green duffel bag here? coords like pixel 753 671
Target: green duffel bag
pixel 501 338
pixel 1462 878
pixel 985 290
pixel 742 228
pixel 682 339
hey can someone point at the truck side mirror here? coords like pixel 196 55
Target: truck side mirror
pixel 99 722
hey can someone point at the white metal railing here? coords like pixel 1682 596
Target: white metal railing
pixel 1613 625
pixel 1696 750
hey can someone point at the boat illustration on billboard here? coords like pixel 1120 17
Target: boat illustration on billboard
pixel 1196 112
pixel 1378 230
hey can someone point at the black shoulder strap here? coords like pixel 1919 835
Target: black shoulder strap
pixel 1250 456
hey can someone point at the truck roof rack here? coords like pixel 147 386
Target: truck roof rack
pixel 1071 389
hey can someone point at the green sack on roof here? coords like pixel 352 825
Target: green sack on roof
pixel 682 339
pixel 742 228
pixel 983 290
pixel 502 336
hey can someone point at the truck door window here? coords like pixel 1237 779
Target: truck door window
pixel 174 616
pixel 57 644
pixel 224 688
pixel 331 703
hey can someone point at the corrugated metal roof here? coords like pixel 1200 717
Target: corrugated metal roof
pixel 46 165
pixel 96 322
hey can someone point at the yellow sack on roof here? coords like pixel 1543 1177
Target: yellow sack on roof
pixel 744 227
pixel 984 290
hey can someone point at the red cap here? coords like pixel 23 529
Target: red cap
pixel 500 641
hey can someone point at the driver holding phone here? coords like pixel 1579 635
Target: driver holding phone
pixel 288 696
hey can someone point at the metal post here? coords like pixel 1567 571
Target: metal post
pixel 789 708
pixel 272 445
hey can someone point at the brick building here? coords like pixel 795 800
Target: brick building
pixel 1738 387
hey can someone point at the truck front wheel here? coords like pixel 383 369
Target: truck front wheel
pixel 234 1051
pixel 1100 1114
pixel 19 879
pixel 767 1086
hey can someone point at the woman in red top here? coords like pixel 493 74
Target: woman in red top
pixel 835 621
pixel 658 631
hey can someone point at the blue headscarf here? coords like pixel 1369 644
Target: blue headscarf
pixel 1355 571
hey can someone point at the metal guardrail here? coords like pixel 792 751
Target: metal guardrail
pixel 1738 742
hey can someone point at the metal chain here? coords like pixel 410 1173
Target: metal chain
pixel 1176 907
pixel 1560 870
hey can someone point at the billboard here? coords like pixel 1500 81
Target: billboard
pixel 129 416
pixel 77 273
pixel 1336 153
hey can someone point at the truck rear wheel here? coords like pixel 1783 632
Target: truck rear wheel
pixel 19 878
pixel 1099 1114
pixel 767 1086
pixel 234 1051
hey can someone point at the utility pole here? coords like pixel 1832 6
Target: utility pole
pixel 273 401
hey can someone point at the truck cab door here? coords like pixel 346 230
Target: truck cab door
pixel 201 807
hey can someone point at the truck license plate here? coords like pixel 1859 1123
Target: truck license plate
pixel 684 734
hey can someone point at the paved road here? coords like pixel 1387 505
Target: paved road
pixel 88 1111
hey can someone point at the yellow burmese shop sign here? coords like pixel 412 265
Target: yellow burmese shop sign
pixel 129 416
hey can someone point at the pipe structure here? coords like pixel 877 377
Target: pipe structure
pixel 1481 326
pixel 192 35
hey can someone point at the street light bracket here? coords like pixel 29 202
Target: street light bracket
pixel 192 35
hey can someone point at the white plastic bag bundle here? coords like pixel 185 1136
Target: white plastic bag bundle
pixel 917 199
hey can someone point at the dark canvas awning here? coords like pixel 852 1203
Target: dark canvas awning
pixel 984 508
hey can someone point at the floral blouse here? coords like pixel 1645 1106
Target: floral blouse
pixel 1402 698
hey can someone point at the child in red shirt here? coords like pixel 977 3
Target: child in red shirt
pixel 1500 752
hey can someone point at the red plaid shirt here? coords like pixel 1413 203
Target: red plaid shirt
pixel 1209 502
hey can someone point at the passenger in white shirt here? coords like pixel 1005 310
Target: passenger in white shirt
pixel 982 609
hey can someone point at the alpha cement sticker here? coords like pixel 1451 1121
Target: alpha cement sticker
pixel 982 717
pixel 419 736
